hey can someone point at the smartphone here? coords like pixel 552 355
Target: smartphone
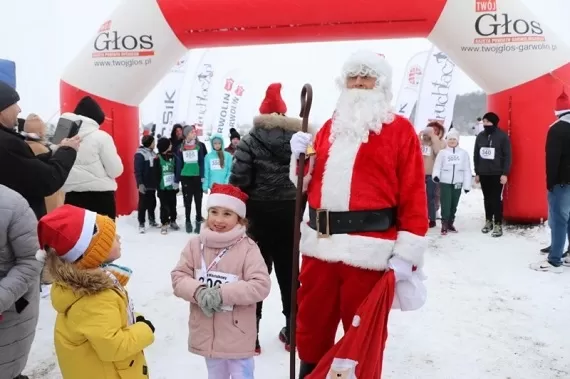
pixel 65 128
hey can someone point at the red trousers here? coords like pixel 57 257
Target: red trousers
pixel 328 293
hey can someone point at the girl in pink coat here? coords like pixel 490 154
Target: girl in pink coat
pixel 222 274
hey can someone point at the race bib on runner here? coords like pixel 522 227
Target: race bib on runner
pixel 454 159
pixel 487 153
pixel 190 156
pixel 426 150
pixel 216 278
pixel 168 179
pixel 458 185
pixel 215 164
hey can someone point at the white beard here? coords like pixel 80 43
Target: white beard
pixel 360 111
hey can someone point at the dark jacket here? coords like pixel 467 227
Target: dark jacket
pixel 32 177
pixel 493 137
pixel 145 160
pixel 262 159
pixel 179 161
pixel 558 153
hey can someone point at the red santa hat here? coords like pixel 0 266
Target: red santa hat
pixel 77 236
pixel 367 63
pixel 273 102
pixel 229 197
pixel 562 104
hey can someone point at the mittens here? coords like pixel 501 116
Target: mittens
pixel 410 294
pixel 142 319
pixel 299 143
pixel 402 268
pixel 142 188
pixel 466 191
pixel 436 179
pixel 209 300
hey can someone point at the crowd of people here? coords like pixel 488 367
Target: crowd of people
pixel 363 243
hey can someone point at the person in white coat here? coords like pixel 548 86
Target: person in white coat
pixel 452 170
pixel 92 181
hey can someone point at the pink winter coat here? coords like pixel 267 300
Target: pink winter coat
pixel 229 334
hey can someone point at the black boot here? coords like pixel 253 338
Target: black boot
pixel 284 335
pixel 197 227
pixel 545 250
pixel 305 369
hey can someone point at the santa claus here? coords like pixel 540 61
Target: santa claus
pixel 367 205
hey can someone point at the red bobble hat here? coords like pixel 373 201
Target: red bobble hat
pixel 229 197
pixel 273 102
pixel 562 104
pixel 77 235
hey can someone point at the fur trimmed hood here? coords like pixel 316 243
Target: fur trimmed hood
pixel 71 283
pixel 274 121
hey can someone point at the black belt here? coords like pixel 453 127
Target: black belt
pixel 327 223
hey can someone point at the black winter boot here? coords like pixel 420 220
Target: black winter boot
pixel 197 227
pixel 305 369
pixel 284 336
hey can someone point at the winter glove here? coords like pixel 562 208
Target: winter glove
pixel 142 319
pixel 209 300
pixel 300 142
pixel 175 185
pixel 142 189
pixel 466 191
pixel 411 294
pixel 402 268
pixel 435 179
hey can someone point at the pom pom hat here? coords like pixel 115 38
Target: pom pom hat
pixel 368 63
pixel 453 134
pixel 273 102
pixel 562 104
pixel 77 235
pixel 229 197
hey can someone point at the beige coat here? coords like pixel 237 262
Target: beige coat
pixel 229 334
pixel 430 148
pixel 58 198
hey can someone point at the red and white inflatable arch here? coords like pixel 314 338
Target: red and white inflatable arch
pixel 514 57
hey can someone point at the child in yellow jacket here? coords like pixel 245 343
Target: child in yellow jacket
pixel 97 334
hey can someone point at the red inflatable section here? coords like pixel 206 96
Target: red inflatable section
pixel 122 123
pixel 526 116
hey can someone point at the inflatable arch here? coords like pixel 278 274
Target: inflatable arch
pixel 514 57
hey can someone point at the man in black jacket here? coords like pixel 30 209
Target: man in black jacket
pixel 492 159
pixel 32 177
pixel 558 185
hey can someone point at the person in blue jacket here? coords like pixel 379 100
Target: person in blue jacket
pixel 217 164
pixel 189 172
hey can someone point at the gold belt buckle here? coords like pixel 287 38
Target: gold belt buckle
pixel 320 234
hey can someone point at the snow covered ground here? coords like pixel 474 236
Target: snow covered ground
pixel 488 315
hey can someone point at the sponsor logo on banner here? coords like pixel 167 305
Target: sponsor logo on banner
pixel 415 75
pixel 111 44
pixel 200 99
pixel 230 100
pixel 485 5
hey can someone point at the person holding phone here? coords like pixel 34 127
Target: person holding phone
pixel 32 177
pixel 19 282
pixel 92 181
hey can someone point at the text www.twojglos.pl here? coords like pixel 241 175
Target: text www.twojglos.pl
pixel 506 48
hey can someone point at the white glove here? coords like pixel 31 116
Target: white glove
pixel 402 268
pixel 299 143
pixel 410 294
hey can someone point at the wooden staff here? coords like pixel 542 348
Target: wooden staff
pixel 306 101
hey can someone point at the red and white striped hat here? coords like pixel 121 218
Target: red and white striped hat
pixel 229 197
pixel 77 235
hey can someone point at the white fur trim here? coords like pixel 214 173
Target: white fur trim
pixel 357 251
pixel 41 255
pixel 365 59
pixel 411 247
pixel 293 165
pixel 226 201
pixel 337 178
pixel 558 113
pixel 85 238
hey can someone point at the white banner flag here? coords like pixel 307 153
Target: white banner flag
pixel 227 115
pixel 169 104
pixel 438 91
pixel 410 88
pixel 200 103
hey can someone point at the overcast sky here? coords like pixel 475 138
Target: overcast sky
pixel 43 36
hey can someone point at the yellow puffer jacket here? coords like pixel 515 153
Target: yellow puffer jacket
pixel 92 336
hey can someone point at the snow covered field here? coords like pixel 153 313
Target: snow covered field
pixel 488 316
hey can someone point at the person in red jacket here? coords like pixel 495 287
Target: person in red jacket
pixel 367 208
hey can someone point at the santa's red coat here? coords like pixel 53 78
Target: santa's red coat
pixel 385 172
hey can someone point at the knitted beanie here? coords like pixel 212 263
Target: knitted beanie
pixel 88 107
pixel 162 145
pixel 8 96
